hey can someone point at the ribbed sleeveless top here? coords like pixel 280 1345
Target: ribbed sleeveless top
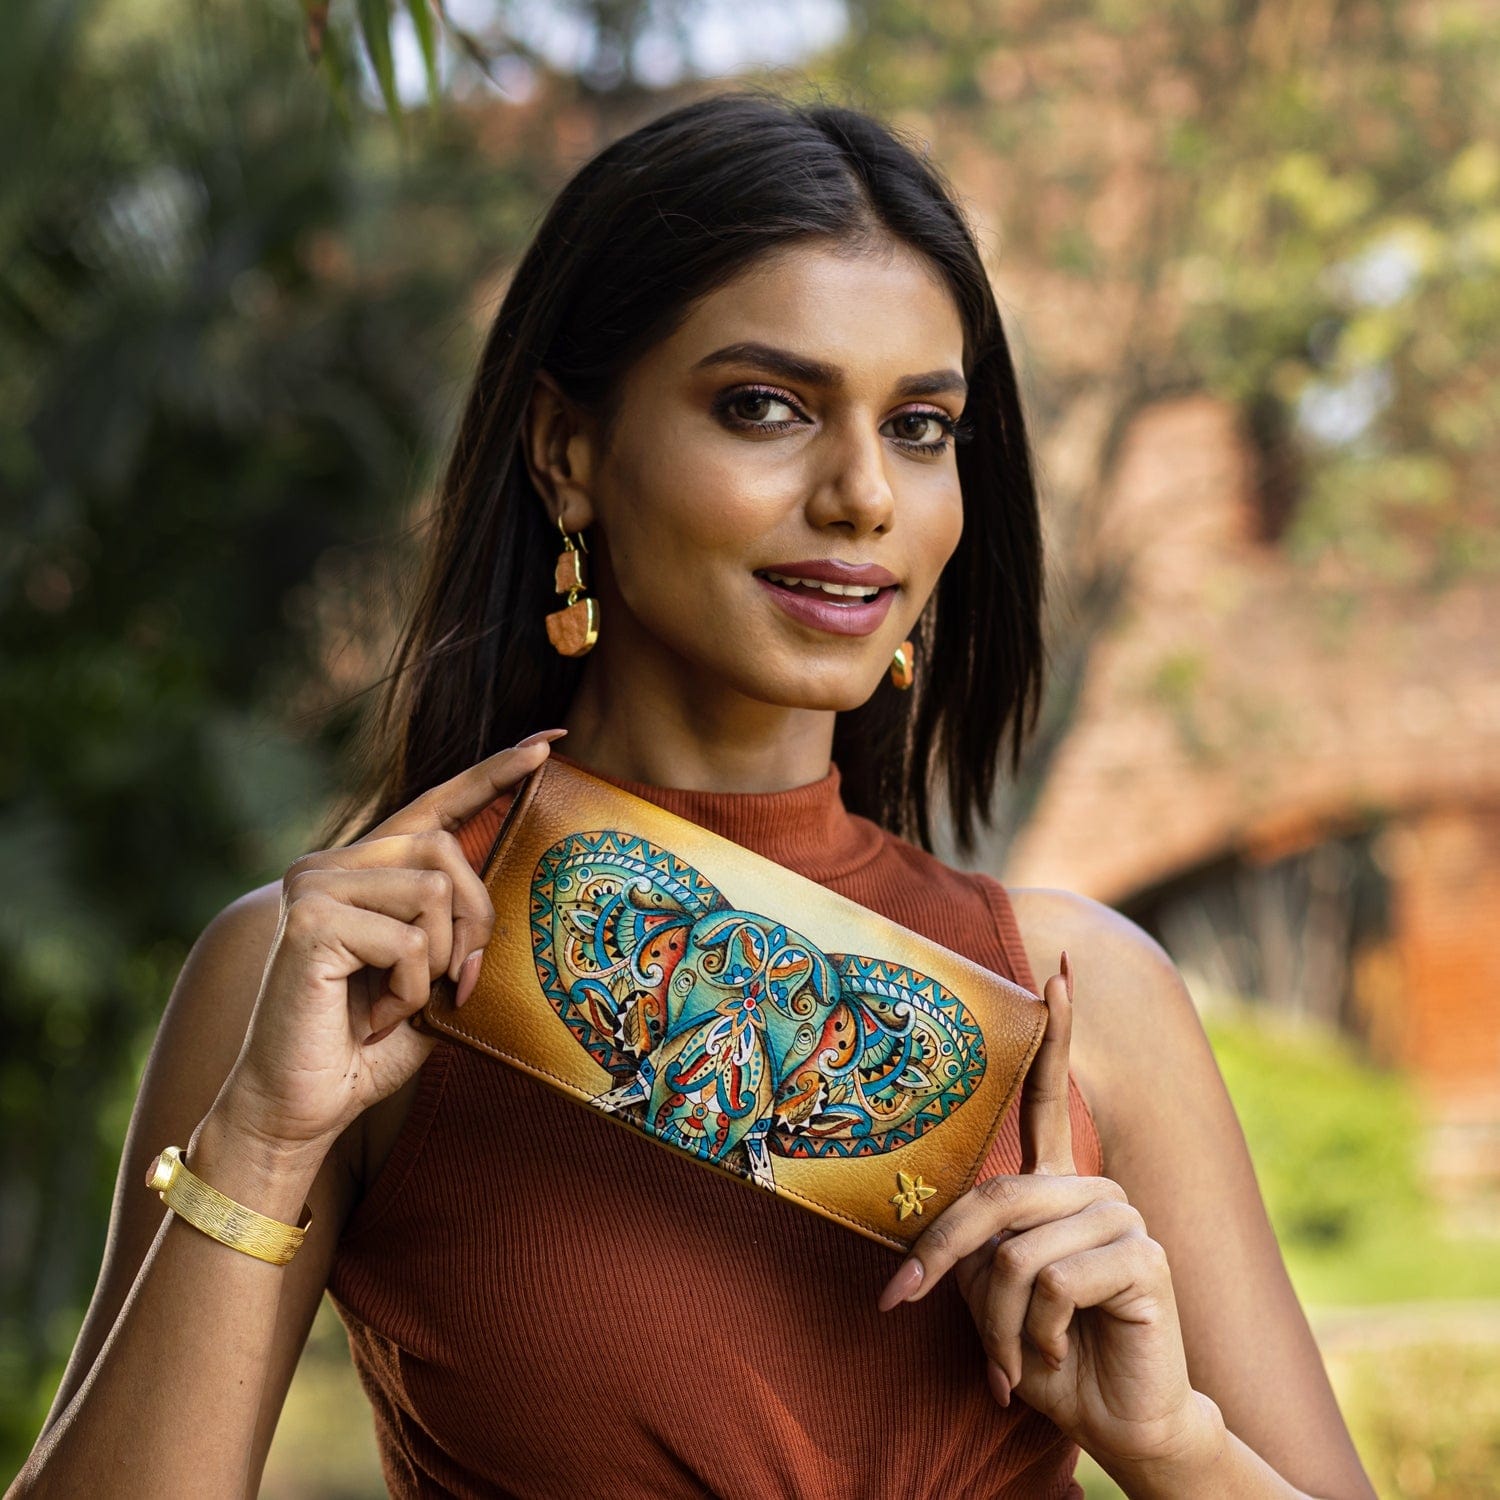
pixel 658 1330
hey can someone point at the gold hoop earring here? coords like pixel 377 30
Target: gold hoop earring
pixel 574 628
pixel 903 667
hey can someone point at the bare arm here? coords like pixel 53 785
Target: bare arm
pixel 172 1305
pixel 283 1028
pixel 1172 1140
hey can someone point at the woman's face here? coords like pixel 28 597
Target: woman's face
pixel 800 416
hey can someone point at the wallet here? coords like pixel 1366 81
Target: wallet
pixel 736 1012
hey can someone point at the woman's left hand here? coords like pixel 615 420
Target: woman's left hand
pixel 1072 1297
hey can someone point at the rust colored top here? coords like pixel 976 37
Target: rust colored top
pixel 663 1331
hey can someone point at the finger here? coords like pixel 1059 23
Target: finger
pixel 450 804
pixel 988 1208
pixel 318 927
pixel 975 1266
pixel 420 896
pixel 471 912
pixel 1046 1127
pixel 1002 1300
pixel 1127 1278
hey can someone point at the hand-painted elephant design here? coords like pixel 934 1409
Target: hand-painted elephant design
pixel 731 1035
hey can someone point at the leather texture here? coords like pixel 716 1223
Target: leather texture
pixel 736 1011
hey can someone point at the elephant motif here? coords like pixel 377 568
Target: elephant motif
pixel 729 1034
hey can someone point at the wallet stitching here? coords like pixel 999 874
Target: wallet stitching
pixel 577 1093
pixel 851 866
pixel 1012 1090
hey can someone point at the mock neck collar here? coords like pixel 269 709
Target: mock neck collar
pixel 805 828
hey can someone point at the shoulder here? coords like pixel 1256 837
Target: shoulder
pixel 243 930
pixel 1135 1024
pixel 1052 920
pixel 210 1006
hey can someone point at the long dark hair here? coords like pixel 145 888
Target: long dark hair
pixel 654 221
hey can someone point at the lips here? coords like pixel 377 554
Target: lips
pixel 796 588
pixel 833 570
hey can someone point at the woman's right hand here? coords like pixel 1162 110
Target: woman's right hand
pixel 365 930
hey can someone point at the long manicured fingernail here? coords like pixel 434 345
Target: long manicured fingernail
pixel 468 976
pixel 1067 973
pixel 999 1383
pixel 540 735
pixel 901 1285
pixel 383 1033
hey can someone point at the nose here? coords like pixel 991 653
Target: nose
pixel 852 488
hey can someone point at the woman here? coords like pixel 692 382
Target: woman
pixel 751 353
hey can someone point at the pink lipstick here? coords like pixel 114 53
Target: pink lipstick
pixel 827 594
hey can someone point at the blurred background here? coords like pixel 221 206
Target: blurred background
pixel 1249 256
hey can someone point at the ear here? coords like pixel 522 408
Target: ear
pixel 559 445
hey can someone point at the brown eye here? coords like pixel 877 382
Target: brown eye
pixel 947 431
pixel 755 409
pixel 918 424
pixel 752 405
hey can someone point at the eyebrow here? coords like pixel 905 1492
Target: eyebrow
pixel 792 366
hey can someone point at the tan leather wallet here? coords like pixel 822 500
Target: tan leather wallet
pixel 737 1012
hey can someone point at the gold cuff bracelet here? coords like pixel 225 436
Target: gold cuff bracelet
pixel 231 1223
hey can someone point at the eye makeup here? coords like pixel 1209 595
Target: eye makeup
pixel 955 430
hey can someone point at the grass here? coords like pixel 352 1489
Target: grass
pixel 1425 1419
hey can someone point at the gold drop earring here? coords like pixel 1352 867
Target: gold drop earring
pixel 903 668
pixel 574 628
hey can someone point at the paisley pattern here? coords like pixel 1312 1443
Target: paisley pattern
pixel 729 1034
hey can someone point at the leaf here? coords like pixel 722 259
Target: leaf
pixel 375 26
pixel 421 15
pixel 336 66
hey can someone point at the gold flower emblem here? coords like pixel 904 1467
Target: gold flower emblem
pixel 911 1192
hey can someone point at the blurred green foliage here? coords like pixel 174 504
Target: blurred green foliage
pixel 1334 1138
pixel 229 332
pixel 1338 1145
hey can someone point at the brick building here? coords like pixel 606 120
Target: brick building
pixel 1245 718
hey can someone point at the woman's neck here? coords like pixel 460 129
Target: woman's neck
pixel 727 745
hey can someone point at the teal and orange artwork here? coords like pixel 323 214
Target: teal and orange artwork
pixel 728 1034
